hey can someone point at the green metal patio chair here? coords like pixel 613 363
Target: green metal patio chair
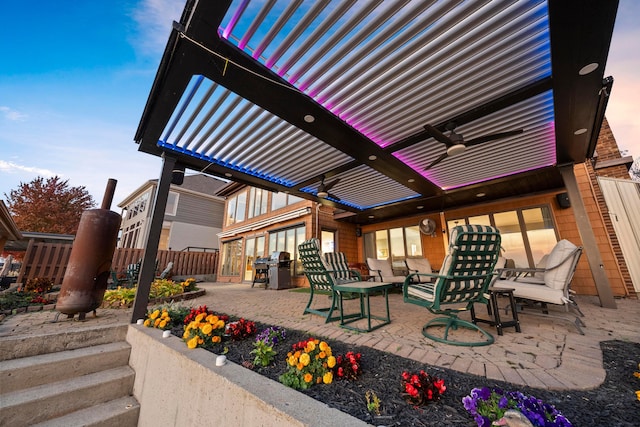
pixel 463 280
pixel 320 280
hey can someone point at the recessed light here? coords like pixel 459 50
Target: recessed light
pixel 410 180
pixel 420 207
pixel 309 118
pixel 580 131
pixel 228 175
pixel 481 194
pixel 372 157
pixel 371 216
pixel 589 68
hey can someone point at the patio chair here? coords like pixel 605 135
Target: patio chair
pixel 336 263
pixel 419 265
pixel 321 279
pixel 382 271
pixel 550 284
pixel 462 281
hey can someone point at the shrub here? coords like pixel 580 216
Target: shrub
pixel 38 285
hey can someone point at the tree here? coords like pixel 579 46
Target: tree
pixel 49 206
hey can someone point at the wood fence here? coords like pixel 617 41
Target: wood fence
pixel 49 260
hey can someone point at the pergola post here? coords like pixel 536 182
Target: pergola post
pixel 148 267
pixel 592 252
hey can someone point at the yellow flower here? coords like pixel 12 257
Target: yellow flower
pixel 638 394
pixel 310 346
pixel 220 324
pixel 185 335
pixel 165 315
pixel 292 360
pixel 207 328
pixel 305 359
pixel 199 317
pixel 331 361
pixel 308 378
pixel 163 324
pixel 212 319
pixel 147 323
pixel 193 342
pixel 156 323
pixel 323 346
pixel 154 314
pixel 327 378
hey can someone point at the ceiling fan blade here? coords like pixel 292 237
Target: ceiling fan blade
pixel 437 135
pixel 330 185
pixel 492 137
pixel 334 197
pixel 436 161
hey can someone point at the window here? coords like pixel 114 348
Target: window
pixel 231 258
pixel 288 240
pixel 280 200
pixel 172 203
pixel 236 207
pixel 138 206
pixel 527 234
pixel 328 241
pixel 257 202
pixel 395 243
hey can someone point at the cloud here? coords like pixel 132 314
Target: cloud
pixel 10 167
pixel 12 115
pixel 154 19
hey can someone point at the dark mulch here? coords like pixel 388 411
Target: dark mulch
pixel 614 403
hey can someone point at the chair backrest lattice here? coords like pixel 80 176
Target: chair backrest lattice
pixel 468 267
pixel 336 262
pixel 314 267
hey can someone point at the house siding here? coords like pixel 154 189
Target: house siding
pixel 193 209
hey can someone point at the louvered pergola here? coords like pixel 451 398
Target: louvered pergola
pixel 279 94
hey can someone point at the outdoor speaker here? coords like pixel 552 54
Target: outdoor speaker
pixel 563 200
pixel 358 232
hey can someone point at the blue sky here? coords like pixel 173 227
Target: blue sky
pixel 75 76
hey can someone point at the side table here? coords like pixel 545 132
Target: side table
pixel 363 290
pixel 494 311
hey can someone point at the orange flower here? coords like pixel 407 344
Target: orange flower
pixel 308 378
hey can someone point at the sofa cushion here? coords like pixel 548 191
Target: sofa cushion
pixel 559 264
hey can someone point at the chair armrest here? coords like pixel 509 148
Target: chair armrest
pixel 517 272
pixel 377 273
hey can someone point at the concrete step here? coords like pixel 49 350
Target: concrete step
pixel 49 401
pixel 121 412
pixel 28 372
pixel 18 346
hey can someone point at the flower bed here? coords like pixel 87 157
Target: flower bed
pixel 376 391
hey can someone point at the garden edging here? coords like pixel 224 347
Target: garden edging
pixel 175 383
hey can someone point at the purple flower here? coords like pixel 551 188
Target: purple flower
pixel 503 402
pixel 469 404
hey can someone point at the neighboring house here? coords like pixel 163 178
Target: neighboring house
pixel 193 216
pixel 259 222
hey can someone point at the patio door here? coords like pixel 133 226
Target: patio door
pixel 253 248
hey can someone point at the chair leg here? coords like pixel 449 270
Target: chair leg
pixel 453 322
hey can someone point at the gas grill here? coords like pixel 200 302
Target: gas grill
pixel 261 275
pixel 279 270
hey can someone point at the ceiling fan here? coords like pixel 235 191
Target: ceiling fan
pixel 457 145
pixel 323 189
